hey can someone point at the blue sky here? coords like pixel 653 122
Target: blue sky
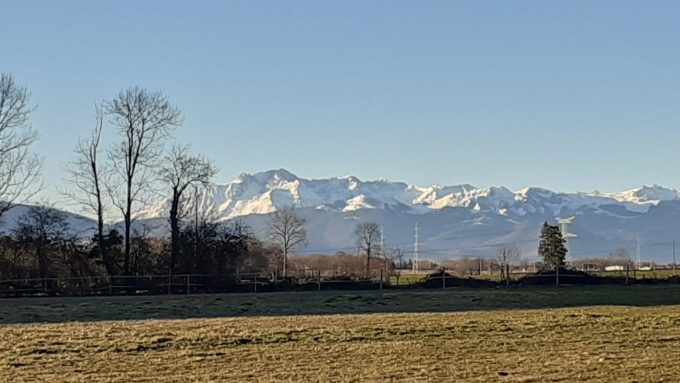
pixel 560 94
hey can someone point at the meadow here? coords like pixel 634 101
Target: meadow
pixel 408 278
pixel 601 334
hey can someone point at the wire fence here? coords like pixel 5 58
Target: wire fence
pixel 307 280
pixel 185 284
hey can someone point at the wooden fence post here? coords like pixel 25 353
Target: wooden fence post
pixel 188 283
pixel 557 275
pixel 507 275
pixel 443 277
pixel 318 279
pixel 381 279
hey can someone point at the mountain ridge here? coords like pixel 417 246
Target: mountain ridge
pixel 454 220
pixel 264 192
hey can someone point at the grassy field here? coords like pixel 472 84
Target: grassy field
pixel 603 334
pixel 408 278
pixel 639 274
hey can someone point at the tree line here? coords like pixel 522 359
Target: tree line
pixel 118 178
pixel 127 161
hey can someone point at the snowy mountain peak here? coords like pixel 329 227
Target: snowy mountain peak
pixel 267 177
pixel 647 194
pixel 476 219
pixel 265 192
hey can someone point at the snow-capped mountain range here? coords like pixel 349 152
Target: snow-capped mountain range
pixel 454 220
pixel 265 192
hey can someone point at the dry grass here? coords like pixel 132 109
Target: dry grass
pixel 588 343
pixel 596 344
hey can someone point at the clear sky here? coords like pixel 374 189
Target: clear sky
pixel 569 95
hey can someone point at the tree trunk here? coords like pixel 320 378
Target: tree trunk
pixel 103 253
pixel 368 262
pixel 174 231
pixel 128 223
pixel 42 262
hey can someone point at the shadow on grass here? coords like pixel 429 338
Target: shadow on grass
pixel 51 310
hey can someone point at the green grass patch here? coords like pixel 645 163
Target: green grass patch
pixel 32 310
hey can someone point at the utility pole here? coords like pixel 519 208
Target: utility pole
pixel 415 250
pixel 674 257
pixel 564 229
pixel 383 252
pixel 639 256
pixel 382 240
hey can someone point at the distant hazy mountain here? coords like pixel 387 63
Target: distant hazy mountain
pixel 454 220
pixel 78 224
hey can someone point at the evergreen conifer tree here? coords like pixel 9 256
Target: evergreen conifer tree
pixel 551 247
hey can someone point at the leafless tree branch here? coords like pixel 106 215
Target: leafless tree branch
pixel 144 120
pixel 19 169
pixel 368 241
pixel 179 171
pixel 287 229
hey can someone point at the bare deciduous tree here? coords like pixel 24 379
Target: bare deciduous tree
pixel 287 229
pixel 232 243
pixel 507 256
pixel 144 120
pixel 200 232
pixel 368 240
pixel 85 176
pixel 468 265
pixel 203 217
pixel 41 227
pixel 19 169
pixel 181 170
pixel 620 256
pixel 394 259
